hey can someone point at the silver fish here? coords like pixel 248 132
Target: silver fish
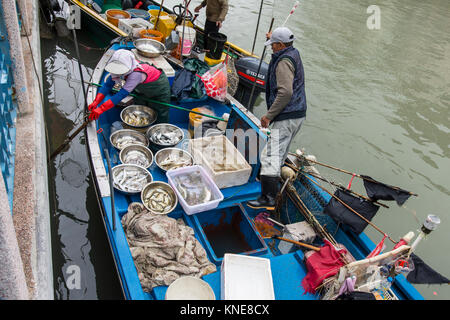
pixel 130 180
pixel 193 189
pixel 159 200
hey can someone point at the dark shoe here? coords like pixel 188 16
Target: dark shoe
pixel 269 190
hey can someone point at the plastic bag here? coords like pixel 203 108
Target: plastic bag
pixel 215 81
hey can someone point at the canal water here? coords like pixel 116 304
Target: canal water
pixel 378 105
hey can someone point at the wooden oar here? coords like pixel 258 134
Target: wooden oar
pixel 295 242
pixel 348 172
pixel 67 141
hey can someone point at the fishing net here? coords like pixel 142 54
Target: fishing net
pixel 163 248
pixel 232 77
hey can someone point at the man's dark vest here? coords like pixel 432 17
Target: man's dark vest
pixel 296 108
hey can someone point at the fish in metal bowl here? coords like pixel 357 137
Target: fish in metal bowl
pixel 159 197
pixel 136 154
pixel 130 178
pixel 165 135
pixel 173 158
pixel 124 137
pixel 138 116
pixel 149 48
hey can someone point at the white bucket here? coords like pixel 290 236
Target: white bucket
pixel 190 288
pixel 188 40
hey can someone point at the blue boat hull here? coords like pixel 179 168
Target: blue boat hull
pixel 288 270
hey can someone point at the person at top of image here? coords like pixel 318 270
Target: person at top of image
pixel 142 78
pixel 216 10
pixel 286 111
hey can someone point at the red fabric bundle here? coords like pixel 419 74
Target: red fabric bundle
pixel 321 265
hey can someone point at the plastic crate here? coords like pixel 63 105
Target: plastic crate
pixel 201 151
pixel 134 25
pixel 246 278
pixel 217 195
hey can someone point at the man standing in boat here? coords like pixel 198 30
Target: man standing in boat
pixel 286 104
pixel 216 10
pixel 144 79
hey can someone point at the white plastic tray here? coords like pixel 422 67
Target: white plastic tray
pixel 246 278
pixel 217 194
pixel 223 179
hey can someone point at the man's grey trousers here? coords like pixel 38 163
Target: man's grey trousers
pixel 275 151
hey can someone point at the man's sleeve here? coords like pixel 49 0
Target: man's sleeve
pixel 285 81
pixel 224 10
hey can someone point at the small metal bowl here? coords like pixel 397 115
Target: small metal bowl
pixel 143 44
pixel 117 169
pixel 164 128
pixel 139 111
pixel 126 153
pixel 163 154
pixel 138 138
pixel 162 185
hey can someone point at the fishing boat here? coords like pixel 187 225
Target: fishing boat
pixel 94 21
pixel 230 229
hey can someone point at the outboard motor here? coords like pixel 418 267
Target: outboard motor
pixel 246 69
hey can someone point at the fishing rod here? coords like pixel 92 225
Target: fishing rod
pixel 348 172
pixel 257 25
pixel 259 68
pixel 110 179
pixel 154 101
pixel 294 242
pixel 349 190
pixel 291 12
pixel 350 208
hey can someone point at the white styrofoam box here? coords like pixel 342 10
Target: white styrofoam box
pixel 159 62
pixel 212 151
pixel 217 196
pixel 246 278
pixel 134 25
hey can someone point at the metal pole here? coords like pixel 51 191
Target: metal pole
pixel 257 25
pixel 259 68
pixel 79 67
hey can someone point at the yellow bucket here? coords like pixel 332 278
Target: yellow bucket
pixel 195 120
pixel 154 13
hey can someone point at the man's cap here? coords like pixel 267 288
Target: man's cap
pixel 281 34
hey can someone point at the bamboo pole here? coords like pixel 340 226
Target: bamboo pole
pixel 351 191
pixel 348 172
pixel 350 208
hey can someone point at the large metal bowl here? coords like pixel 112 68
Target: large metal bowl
pixel 117 169
pixel 127 154
pixel 149 48
pixel 173 199
pixel 138 111
pixel 164 154
pixel 164 128
pixel 135 138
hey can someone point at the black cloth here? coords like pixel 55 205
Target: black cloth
pixel 381 191
pixel 424 274
pixel 356 295
pixel 210 26
pixel 342 214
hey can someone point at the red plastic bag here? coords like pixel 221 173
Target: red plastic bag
pixel 215 81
